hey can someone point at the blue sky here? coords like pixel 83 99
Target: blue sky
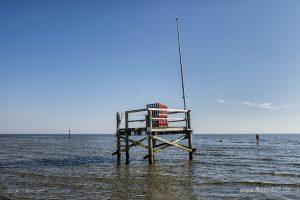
pixel 73 64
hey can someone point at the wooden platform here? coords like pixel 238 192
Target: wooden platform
pixel 158 131
pixel 153 134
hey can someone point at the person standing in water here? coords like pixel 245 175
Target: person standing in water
pixel 257 139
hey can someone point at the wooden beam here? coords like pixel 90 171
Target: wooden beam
pixel 175 129
pixel 176 140
pixel 170 121
pixel 174 144
pixel 133 143
pixel 138 110
pixel 137 120
pixel 174 112
pixel 136 142
pixel 162 129
pixel 157 118
pixel 165 145
pixel 169 110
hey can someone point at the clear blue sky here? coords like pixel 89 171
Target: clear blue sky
pixel 73 64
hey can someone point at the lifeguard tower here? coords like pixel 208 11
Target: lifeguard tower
pixel 157 120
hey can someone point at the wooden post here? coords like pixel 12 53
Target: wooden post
pixel 118 142
pixel 154 142
pixel 150 139
pixel 150 148
pixel 188 120
pixel 153 145
pixel 189 134
pixel 127 148
pixel 149 120
pixel 126 120
pixel 127 138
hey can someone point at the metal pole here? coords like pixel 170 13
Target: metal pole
pixel 180 61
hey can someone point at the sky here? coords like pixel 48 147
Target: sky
pixel 74 64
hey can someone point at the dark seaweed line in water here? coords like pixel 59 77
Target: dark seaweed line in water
pixel 296 163
pixel 238 164
pixel 233 156
pixel 256 166
pixel 255 183
pixel 225 149
pixel 262 161
pixel 225 153
pixel 58 162
pixel 59 177
pixel 281 174
pixel 267 158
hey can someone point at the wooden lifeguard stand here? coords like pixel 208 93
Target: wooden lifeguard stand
pixel 177 125
pixel 153 131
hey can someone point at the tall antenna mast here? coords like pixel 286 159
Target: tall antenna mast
pixel 180 61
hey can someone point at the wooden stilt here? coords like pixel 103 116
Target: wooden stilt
pixel 118 149
pixel 127 138
pixel 154 144
pixel 127 149
pixel 190 146
pixel 150 137
pixel 150 148
pixel 188 120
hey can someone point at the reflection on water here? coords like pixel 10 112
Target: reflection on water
pixel 225 166
pixel 154 182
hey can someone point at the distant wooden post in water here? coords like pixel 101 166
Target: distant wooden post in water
pixel 69 134
pixel 153 124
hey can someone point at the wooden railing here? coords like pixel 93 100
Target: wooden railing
pixel 147 118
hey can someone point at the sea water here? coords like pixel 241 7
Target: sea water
pixel 224 166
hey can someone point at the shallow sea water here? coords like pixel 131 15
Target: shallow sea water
pixel 224 167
